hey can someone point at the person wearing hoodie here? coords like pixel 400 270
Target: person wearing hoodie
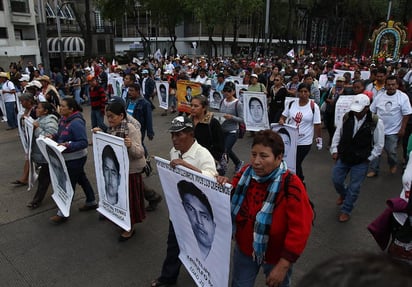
pixel 72 134
pixel 46 124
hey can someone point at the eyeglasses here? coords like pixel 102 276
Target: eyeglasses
pixel 277 80
pixel 226 90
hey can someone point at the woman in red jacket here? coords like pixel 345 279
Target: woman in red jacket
pixel 271 223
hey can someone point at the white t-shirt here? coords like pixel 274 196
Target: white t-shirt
pixel 6 88
pixel 391 109
pixel 304 119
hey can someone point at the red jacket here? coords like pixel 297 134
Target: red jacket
pixel 291 219
pixel 97 98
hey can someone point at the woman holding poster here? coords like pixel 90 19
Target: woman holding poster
pixel 271 213
pixel 120 127
pixel 305 115
pixel 72 134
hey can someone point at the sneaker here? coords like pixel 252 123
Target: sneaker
pixel 239 166
pixel 57 219
pixel 371 174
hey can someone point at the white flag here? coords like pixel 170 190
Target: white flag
pixel 291 53
pixel 158 55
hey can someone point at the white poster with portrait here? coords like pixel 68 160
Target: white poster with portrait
pixel 255 111
pixel 111 163
pixel 199 208
pixel 342 106
pixel 3 106
pixel 28 126
pixel 236 79
pixel 289 135
pixel 162 88
pixel 116 82
pixel 22 131
pixel 240 89
pixel 62 188
pixel 215 99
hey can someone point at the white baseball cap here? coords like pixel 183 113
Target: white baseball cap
pixel 359 102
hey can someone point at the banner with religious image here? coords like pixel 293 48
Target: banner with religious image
pixel 186 90
pixel 162 88
pixel 28 126
pixel 255 111
pixel 199 208
pixel 116 83
pixel 342 106
pixel 215 98
pixel 111 163
pixel 62 188
pixel 289 135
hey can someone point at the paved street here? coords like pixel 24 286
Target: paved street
pixel 85 251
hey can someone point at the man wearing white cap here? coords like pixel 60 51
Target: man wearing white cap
pixel 24 80
pixel 359 140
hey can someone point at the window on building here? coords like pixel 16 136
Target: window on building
pixel 101 46
pixel 24 32
pixel 19 6
pixel 49 11
pixel 3 33
pixel 1 5
pixel 98 20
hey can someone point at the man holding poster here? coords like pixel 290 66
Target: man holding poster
pixel 188 153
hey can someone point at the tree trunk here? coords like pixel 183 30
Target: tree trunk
pixel 234 43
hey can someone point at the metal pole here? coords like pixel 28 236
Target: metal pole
pixel 43 37
pixel 389 11
pixel 59 35
pixel 267 26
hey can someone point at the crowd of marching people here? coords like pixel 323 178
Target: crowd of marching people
pixel 377 120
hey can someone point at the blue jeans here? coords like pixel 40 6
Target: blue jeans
pixel 77 97
pixel 87 92
pixel 301 152
pixel 98 119
pixel 230 140
pixel 245 270
pixel 391 144
pixel 11 114
pixel 350 192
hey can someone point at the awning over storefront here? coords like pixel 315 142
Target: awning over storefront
pixel 71 45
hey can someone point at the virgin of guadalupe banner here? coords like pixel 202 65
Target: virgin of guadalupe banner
pixel 215 98
pixel 289 135
pixel 162 88
pixel 199 208
pixel 186 90
pixel 62 188
pixel 116 82
pixel 255 111
pixel 341 108
pixel 111 163
pixel 28 126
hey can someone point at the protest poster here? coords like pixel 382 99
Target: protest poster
pixel 28 126
pixel 240 89
pixel 192 197
pixel 116 83
pixel 62 188
pixel 341 108
pixel 22 131
pixel 215 98
pixel 236 79
pixel 289 135
pixel 184 93
pixel 162 88
pixel 111 163
pixel 255 111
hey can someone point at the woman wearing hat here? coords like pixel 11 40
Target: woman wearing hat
pixel 49 92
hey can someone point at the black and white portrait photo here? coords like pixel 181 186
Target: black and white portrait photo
pixel 163 94
pixel 255 111
pixel 215 98
pixel 289 135
pixel 62 188
pixel 199 208
pixel 112 175
pixel 200 214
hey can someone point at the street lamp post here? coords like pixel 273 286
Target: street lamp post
pixel 59 32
